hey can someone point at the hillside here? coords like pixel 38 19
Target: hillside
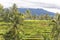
pixel 36 11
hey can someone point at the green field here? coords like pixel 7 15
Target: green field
pixel 31 29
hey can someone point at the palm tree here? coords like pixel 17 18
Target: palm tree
pixel 15 19
pixel 28 14
pixel 56 27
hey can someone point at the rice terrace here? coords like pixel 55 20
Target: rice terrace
pixel 29 20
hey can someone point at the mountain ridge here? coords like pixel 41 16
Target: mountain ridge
pixel 36 11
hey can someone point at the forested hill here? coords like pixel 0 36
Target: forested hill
pixel 36 11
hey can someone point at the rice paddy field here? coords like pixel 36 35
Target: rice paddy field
pixel 30 30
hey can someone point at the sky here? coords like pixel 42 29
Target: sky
pixel 49 5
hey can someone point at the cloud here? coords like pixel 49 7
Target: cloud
pixel 52 10
pixel 50 5
pixel 38 4
pixel 46 5
pixel 32 3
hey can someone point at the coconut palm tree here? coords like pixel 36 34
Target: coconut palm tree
pixel 15 19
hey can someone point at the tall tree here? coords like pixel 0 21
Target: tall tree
pixel 6 15
pixel 15 19
pixel 41 17
pixel 34 17
pixel 1 12
pixel 47 16
pixel 1 8
pixel 56 28
pixel 28 14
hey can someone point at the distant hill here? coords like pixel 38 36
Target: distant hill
pixel 36 11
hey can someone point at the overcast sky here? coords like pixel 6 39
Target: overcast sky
pixel 49 5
